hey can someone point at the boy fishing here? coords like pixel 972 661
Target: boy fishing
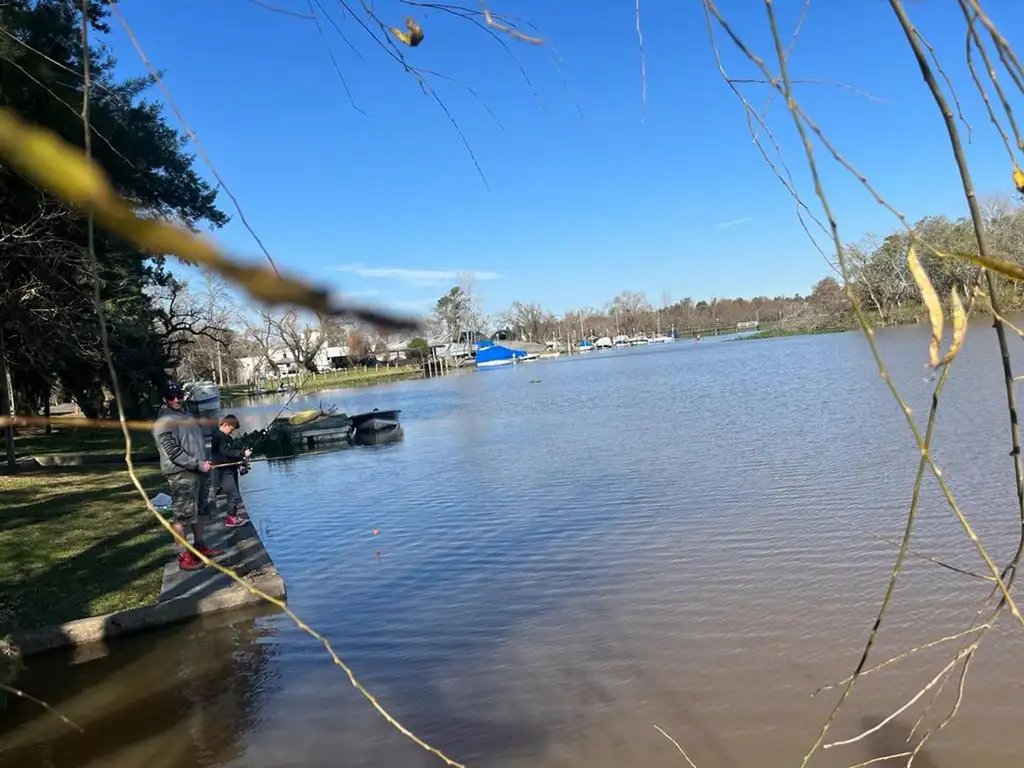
pixel 227 459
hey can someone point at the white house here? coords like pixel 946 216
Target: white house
pixel 327 358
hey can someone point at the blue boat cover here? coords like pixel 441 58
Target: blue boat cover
pixel 496 352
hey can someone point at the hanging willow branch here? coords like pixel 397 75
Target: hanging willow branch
pixel 47 160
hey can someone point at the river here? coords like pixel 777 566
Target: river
pixel 573 551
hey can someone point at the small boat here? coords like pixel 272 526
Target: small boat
pixel 378 438
pixel 585 345
pixel 491 355
pixel 312 419
pixel 662 340
pixel 374 421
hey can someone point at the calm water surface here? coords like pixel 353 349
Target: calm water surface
pixel 655 536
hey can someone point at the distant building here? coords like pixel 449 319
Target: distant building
pixel 255 368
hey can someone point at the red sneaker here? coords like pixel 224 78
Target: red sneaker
pixel 189 562
pixel 208 551
pixel 235 521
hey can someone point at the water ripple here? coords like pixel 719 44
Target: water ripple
pixel 657 535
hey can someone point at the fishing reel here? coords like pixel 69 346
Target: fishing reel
pixel 244 467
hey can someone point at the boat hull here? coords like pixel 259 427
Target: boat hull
pixel 376 425
pixel 379 437
pixel 374 421
pixel 496 363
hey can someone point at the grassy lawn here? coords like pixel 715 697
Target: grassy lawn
pixel 777 333
pixel 78 543
pixel 358 378
pixel 352 377
pixel 33 441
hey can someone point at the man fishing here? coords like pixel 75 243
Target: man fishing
pixel 227 459
pixel 182 449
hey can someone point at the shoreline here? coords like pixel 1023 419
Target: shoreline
pixel 318 382
pixel 779 333
pixel 127 580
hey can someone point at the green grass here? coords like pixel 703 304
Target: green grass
pixel 78 543
pixel 776 333
pixel 35 442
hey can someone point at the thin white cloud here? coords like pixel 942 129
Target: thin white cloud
pixel 419 277
pixel 732 223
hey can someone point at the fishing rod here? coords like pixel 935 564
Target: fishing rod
pixel 227 464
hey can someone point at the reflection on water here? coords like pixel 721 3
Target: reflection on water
pixel 653 536
pixel 176 697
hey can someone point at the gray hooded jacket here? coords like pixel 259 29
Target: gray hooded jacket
pixel 180 443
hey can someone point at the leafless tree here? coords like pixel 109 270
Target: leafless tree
pixel 259 332
pixel 192 331
pixel 634 312
pixel 529 321
pixel 301 336
pixel 460 311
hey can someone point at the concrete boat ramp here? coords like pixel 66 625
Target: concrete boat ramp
pixel 244 554
pixel 183 595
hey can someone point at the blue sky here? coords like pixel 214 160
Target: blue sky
pixel 588 193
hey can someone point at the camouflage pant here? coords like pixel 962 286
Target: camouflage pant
pixel 190 492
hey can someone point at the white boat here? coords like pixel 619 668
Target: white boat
pixel 604 343
pixel 639 341
pixel 662 340
pixel 620 341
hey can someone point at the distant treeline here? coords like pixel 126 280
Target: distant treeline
pixel 879 277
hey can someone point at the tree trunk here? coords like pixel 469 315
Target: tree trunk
pixel 6 402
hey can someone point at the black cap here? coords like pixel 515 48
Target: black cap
pixel 173 389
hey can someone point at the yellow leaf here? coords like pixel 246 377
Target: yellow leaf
pixel 1018 179
pixel 959 327
pixel 48 161
pixel 1002 266
pixel 413 35
pixel 931 301
pixel 415 31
